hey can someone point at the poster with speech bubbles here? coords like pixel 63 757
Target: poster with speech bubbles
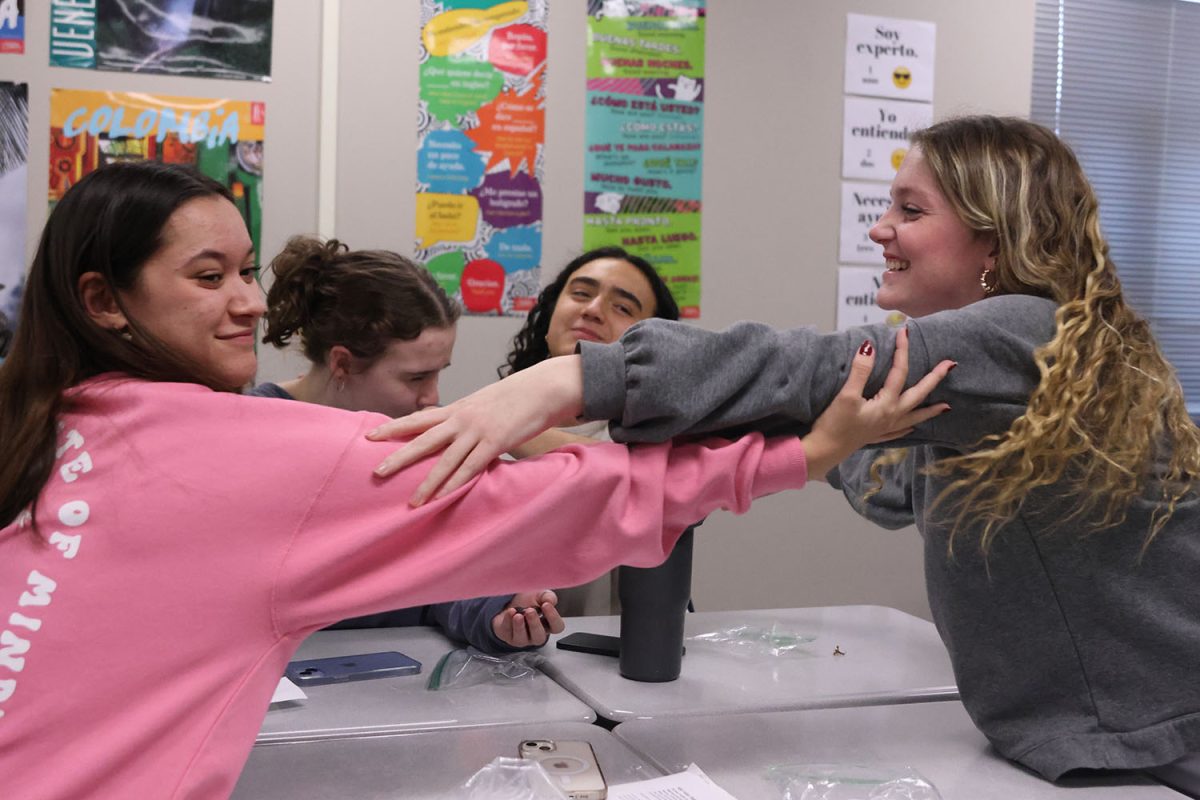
pixel 14 174
pixel 644 136
pixel 228 39
pixel 887 57
pixel 480 136
pixel 12 26
pixel 221 138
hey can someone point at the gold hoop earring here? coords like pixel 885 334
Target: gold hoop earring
pixel 989 282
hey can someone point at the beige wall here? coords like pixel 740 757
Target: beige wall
pixel 771 194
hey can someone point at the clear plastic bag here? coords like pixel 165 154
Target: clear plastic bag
pixel 758 641
pixel 470 667
pixel 851 782
pixel 510 779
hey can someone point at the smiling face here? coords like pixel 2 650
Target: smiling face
pixel 198 294
pixel 402 380
pixel 598 303
pixel 934 261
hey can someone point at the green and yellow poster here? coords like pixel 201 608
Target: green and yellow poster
pixel 645 136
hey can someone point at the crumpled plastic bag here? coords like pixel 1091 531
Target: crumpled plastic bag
pixel 759 641
pixel 510 779
pixel 851 782
pixel 470 667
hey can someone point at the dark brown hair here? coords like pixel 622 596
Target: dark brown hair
pixel 110 222
pixel 529 345
pixel 363 300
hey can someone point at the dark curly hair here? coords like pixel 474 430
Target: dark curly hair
pixel 529 345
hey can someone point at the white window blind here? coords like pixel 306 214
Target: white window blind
pixel 1120 81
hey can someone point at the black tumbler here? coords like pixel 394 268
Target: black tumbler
pixel 653 604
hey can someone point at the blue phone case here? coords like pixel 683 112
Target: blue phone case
pixel 318 671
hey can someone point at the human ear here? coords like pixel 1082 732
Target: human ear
pixel 340 361
pixel 100 302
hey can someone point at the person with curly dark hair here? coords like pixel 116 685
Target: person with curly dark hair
pixel 596 297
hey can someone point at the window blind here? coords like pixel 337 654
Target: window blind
pixel 1120 81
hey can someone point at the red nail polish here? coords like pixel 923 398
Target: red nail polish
pixel 952 366
pixel 866 348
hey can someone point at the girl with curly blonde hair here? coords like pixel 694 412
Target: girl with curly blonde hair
pixel 1056 500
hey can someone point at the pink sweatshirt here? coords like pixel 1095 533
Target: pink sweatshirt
pixel 190 540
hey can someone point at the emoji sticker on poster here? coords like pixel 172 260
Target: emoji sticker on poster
pixel 902 77
pixel 898 157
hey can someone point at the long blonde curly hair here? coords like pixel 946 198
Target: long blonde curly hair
pixel 1107 423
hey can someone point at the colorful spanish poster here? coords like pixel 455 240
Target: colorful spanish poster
pixel 479 151
pixel 221 138
pixel 12 26
pixel 645 135
pixel 14 151
pixel 208 39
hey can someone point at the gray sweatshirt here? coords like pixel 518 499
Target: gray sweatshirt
pixel 1071 648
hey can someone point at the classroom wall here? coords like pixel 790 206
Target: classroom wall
pixel 290 151
pixel 771 193
pixel 773 106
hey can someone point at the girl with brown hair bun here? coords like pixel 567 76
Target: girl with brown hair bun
pixel 378 331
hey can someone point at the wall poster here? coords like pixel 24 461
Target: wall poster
pixel 221 138
pixel 644 136
pixel 12 26
pixel 14 151
pixel 480 134
pixel 205 39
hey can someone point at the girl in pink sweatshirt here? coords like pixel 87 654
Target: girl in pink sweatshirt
pixel 166 544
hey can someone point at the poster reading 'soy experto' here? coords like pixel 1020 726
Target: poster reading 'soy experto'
pixel 645 135
pixel 479 151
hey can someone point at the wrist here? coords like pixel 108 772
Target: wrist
pixel 822 453
pixel 565 396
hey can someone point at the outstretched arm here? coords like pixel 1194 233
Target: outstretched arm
pixel 476 429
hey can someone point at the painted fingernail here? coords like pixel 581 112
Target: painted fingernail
pixel 953 364
pixel 944 410
pixel 866 348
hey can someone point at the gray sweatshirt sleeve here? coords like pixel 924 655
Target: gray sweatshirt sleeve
pixel 890 504
pixel 663 379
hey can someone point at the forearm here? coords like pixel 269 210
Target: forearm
pixel 663 379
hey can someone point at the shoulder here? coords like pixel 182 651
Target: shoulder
pixel 145 409
pixel 1016 315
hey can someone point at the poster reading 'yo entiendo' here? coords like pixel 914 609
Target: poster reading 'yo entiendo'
pixel 645 133
pixel 479 150
pixel 221 138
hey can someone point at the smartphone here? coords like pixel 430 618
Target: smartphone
pixel 318 671
pixel 571 765
pixel 594 643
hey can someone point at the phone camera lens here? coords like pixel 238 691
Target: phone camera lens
pixel 545 747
